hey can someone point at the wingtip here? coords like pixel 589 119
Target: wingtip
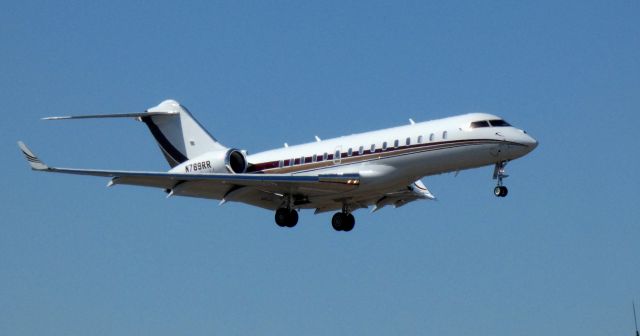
pixel 55 118
pixel 34 162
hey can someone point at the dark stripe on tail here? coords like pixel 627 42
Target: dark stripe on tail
pixel 167 148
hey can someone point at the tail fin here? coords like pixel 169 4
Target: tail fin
pixel 178 134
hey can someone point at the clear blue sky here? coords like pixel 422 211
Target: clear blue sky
pixel 559 256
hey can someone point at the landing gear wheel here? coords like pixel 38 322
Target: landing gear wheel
pixel 292 219
pixel 286 217
pixel 281 216
pixel 500 191
pixel 337 221
pixel 350 223
pixel 343 221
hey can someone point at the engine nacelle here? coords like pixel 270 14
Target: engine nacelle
pixel 225 161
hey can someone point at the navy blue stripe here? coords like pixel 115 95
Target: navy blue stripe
pixel 32 158
pixel 164 143
pixel 27 155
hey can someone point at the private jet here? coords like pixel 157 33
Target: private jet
pixel 372 169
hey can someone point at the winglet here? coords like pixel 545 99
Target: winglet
pixel 34 162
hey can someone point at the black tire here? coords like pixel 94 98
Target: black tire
pixel 505 191
pixel 282 215
pixel 337 221
pixel 292 218
pixel 350 222
pixel 497 191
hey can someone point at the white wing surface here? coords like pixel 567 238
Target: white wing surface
pixel 264 190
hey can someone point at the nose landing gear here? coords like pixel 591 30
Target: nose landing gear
pixel 499 174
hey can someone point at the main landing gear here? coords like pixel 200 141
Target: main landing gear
pixel 343 221
pixel 499 174
pixel 286 217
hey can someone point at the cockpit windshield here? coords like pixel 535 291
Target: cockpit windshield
pixel 489 123
pixel 499 123
pixel 478 124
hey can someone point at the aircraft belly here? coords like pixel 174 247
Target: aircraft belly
pixel 442 161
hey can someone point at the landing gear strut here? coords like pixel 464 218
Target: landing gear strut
pixel 499 174
pixel 343 221
pixel 286 217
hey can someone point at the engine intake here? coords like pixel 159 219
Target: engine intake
pixel 235 161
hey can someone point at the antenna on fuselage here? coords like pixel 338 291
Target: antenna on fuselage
pixel 286 145
pixel 317 138
pixel 412 122
pixel 635 319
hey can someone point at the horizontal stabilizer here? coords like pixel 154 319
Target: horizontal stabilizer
pixel 33 160
pixel 117 115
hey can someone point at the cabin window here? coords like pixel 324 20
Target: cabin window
pixel 337 155
pixel 420 139
pixel 350 152
pixel 302 160
pixel 325 156
pixel 361 150
pixel 281 164
pixel 373 148
pixel 314 158
pixel 408 142
pixel 384 145
pixel 444 134
pixel 431 136
pixel 396 143
pixel 290 162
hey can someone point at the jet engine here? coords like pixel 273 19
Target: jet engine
pixel 225 161
pixel 232 160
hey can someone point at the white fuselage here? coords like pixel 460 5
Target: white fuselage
pixel 401 154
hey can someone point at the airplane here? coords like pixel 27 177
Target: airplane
pixel 372 169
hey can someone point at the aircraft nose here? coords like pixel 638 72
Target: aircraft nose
pixel 529 141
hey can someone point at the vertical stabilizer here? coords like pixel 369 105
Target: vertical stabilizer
pixel 179 135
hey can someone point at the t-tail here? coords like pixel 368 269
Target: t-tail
pixel 179 135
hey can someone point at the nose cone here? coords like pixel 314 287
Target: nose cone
pixel 523 144
pixel 529 141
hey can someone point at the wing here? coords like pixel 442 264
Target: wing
pixel 416 191
pixel 398 197
pixel 264 190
